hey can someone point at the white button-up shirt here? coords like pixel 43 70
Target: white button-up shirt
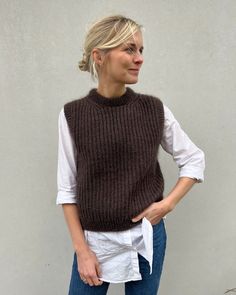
pixel 117 252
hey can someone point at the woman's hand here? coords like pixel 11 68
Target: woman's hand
pixel 155 212
pixel 88 267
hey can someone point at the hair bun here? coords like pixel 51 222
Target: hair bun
pixel 83 64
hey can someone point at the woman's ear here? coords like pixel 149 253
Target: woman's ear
pixel 98 56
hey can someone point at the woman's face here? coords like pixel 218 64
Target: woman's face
pixel 122 64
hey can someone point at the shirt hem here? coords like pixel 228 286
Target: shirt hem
pixel 121 281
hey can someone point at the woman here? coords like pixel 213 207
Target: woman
pixel 109 179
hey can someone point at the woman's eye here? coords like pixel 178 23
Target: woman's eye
pixel 130 50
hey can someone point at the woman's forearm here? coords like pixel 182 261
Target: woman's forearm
pixel 182 186
pixel 73 222
pixel 88 265
pixel 158 210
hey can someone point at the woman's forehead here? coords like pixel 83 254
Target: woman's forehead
pixel 135 40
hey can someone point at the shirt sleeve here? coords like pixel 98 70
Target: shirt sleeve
pixel 189 158
pixel 66 169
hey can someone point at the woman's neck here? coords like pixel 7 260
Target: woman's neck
pixel 111 91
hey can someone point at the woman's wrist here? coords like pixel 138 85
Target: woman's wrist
pixel 82 248
pixel 169 203
pixel 182 186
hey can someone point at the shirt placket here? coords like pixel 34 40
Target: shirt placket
pixel 134 270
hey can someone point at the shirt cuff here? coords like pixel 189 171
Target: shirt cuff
pixel 192 172
pixel 65 198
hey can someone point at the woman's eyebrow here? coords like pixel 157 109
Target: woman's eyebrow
pixel 134 45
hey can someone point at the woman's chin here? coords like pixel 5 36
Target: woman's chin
pixel 131 81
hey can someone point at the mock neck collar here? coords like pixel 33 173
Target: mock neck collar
pixel 125 99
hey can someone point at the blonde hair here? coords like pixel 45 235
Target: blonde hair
pixel 105 34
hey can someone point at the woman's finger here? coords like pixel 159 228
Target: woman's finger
pixel 90 281
pixel 96 281
pixel 98 269
pixel 99 273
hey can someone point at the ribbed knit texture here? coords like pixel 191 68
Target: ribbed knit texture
pixel 117 142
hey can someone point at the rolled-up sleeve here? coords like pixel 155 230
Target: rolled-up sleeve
pixel 66 169
pixel 189 158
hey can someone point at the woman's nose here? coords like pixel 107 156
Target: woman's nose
pixel 138 58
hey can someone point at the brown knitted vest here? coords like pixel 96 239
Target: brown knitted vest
pixel 117 141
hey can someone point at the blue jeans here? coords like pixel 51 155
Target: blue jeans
pixel 147 286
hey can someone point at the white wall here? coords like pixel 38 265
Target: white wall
pixel 190 64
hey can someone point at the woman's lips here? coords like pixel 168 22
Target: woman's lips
pixel 135 71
